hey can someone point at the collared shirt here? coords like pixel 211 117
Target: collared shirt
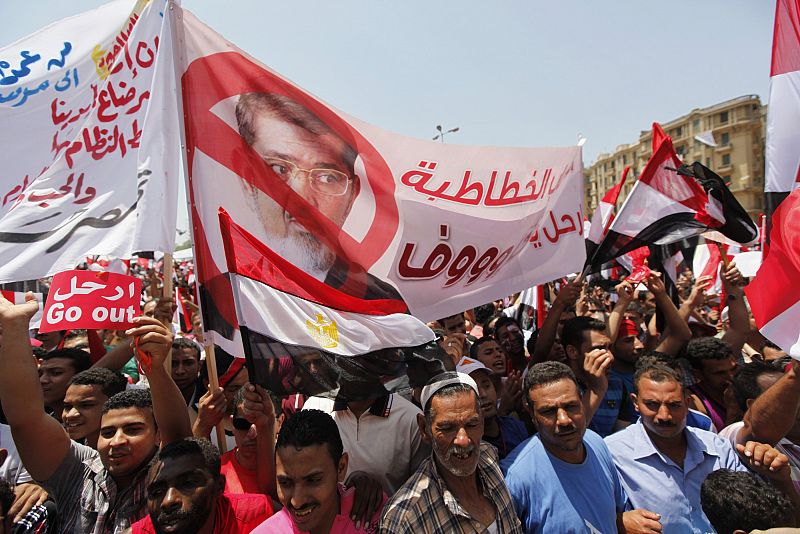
pixel 383 441
pixel 425 504
pixel 88 498
pixel 656 483
pixel 283 523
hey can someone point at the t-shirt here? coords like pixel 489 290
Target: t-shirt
pixel 512 433
pixel 12 468
pixel 283 523
pixel 238 479
pixel 551 495
pixel 235 514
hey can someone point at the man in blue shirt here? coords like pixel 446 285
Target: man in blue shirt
pixel 563 479
pixel 662 463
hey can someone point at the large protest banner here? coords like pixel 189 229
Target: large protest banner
pixel 434 228
pixel 90 140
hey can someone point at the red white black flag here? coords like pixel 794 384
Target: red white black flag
pixel 774 293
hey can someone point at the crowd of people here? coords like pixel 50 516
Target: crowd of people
pixel 624 411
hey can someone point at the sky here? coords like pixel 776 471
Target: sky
pixel 507 73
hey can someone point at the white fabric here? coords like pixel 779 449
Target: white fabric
pixel 12 469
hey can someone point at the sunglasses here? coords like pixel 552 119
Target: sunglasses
pixel 240 423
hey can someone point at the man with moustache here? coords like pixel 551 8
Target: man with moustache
pixel 662 462
pixel 460 487
pixel 563 479
pixel 319 166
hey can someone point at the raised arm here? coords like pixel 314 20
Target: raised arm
pixel 678 330
pixel 737 310
pixel 773 414
pixel 624 298
pixel 153 339
pixel 547 335
pixel 259 410
pixel 41 441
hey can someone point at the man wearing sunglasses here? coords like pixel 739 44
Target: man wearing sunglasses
pixel 318 165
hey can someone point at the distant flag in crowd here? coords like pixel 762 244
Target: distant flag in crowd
pixel 670 202
pixel 604 214
pixel 183 316
pixel 774 294
pixel 112 265
pixel 706 262
pixel 783 113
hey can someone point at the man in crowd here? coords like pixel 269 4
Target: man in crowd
pixel 454 324
pixel 713 365
pixel 563 478
pixel 186 367
pixel 509 335
pixel 55 371
pixel 504 432
pixel 488 351
pixel 88 391
pixel 459 488
pixel 185 495
pixel 249 467
pixel 662 462
pixel 310 465
pixel 96 490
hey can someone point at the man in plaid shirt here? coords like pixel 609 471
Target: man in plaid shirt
pixel 460 487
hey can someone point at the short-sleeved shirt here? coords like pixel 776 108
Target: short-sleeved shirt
pixel 425 504
pixel 656 483
pixel 512 433
pixel 605 418
pixel 551 495
pixel 12 468
pixel 395 455
pixel 283 523
pixel 235 514
pixel 87 497
pixel 238 479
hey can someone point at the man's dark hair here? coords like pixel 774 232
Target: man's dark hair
pixel 238 400
pixel 455 315
pixel 658 370
pixel 81 360
pixel 573 331
pixel 6 495
pixel 311 427
pixel 473 350
pixel 707 348
pixel 484 312
pixel 251 104
pixel 504 322
pixel 745 382
pixel 110 382
pixel 546 373
pixel 188 446
pixel 737 500
pixel 130 398
pixel 186 343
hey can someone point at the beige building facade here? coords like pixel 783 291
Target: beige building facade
pixel 736 126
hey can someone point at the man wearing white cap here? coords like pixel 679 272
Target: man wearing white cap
pixel 460 487
pixel 504 432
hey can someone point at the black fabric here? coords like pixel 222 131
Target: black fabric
pixel 771 203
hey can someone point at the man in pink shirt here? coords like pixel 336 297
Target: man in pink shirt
pixel 310 465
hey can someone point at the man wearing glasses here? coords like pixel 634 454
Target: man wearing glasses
pixel 319 165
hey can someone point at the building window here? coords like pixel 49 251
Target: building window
pixel 696 125
pixel 725 139
pixel 723 117
pixel 726 159
pixel 624 159
pixel 679 131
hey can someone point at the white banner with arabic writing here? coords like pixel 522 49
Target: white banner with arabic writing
pixel 89 163
pixel 373 214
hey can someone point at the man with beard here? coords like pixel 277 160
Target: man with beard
pixel 319 166
pixel 185 495
pixel 310 465
pixel 563 479
pixel 459 488
pixel 509 335
pixel 663 463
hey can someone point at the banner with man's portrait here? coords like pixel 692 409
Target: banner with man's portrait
pixel 411 226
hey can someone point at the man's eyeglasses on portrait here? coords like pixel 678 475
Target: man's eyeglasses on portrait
pixel 326 181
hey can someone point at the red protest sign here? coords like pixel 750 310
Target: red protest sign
pixel 92 300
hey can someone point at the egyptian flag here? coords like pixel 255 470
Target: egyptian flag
pixel 670 202
pixel 604 214
pixel 705 262
pixel 183 316
pixel 18 297
pixel 783 114
pixel 774 294
pixel 287 316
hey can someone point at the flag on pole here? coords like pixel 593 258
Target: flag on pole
pixel 774 294
pixel 670 202
pixel 604 213
pixel 783 113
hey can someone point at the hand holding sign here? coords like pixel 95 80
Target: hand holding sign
pixel 91 300
pixel 10 312
pixel 152 340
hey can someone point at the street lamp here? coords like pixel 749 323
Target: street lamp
pixel 441 133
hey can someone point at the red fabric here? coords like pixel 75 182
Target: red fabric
pixel 235 367
pixel 235 514
pixel 96 348
pixel 627 328
pixel 238 479
pixel 786 39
